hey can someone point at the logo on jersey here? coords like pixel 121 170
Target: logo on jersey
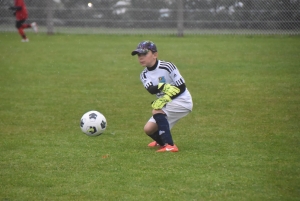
pixel 162 79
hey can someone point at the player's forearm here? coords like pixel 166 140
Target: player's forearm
pixel 182 89
pixel 155 90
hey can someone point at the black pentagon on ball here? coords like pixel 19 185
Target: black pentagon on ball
pixel 81 123
pixel 103 124
pixel 92 130
pixel 93 116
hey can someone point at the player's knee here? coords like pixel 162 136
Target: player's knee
pixel 150 128
pixel 147 130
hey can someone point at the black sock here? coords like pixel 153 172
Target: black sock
pixel 163 128
pixel 156 137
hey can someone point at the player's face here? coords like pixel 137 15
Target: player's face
pixel 148 59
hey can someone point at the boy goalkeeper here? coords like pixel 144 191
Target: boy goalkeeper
pixel 173 102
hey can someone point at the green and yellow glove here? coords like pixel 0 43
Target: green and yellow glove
pixel 160 102
pixel 168 89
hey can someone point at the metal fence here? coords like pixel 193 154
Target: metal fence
pixel 159 16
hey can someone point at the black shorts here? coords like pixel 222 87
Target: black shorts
pixel 19 23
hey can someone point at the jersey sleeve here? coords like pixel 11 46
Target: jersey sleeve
pixel 146 82
pixel 174 73
pixel 177 78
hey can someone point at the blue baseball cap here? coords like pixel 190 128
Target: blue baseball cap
pixel 144 47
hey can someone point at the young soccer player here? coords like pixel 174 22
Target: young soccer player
pixel 173 102
pixel 20 11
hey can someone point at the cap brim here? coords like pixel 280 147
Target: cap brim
pixel 139 51
pixel 134 52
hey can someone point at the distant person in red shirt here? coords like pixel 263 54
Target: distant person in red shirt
pixel 21 14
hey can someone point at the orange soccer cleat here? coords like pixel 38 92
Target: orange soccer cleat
pixel 169 148
pixel 153 144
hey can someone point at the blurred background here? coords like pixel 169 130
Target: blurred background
pixel 159 16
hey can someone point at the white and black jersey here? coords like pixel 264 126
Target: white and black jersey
pixel 166 72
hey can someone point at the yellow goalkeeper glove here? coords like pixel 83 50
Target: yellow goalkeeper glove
pixel 161 102
pixel 168 89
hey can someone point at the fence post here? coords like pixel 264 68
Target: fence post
pixel 50 23
pixel 180 18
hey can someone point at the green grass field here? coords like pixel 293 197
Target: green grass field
pixel 241 142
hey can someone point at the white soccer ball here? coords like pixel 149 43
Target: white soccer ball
pixel 93 123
